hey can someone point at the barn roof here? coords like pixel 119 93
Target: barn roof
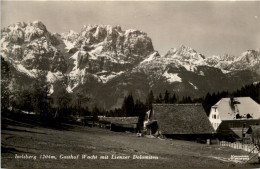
pixel 182 119
pixel 242 106
pixel 119 120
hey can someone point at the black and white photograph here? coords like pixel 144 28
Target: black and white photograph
pixel 130 84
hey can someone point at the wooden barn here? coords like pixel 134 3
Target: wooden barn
pixel 119 123
pixel 180 121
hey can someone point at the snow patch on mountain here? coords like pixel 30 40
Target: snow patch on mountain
pixel 201 73
pixel 51 90
pixel 127 32
pixel 195 87
pixel 172 77
pixel 68 44
pixel 69 89
pixel 106 78
pixel 52 77
pixel 225 71
pixel 150 58
pixel 257 82
pixel 189 67
pixel 22 69
pixel 96 50
pixel 29 56
pixel 4 44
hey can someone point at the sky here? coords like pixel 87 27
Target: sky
pixel 211 28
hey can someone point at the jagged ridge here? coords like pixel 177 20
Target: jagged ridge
pixel 115 62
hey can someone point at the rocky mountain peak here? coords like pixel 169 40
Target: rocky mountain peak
pixel 25 32
pixel 253 54
pixel 31 46
pixel 99 29
pixel 184 48
pixel 38 24
pixel 249 60
pixel 184 53
pixel 70 36
pixel 123 45
pixel 227 57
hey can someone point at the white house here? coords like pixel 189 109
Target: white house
pixel 214 116
pixel 237 112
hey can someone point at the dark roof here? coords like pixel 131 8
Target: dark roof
pixel 182 119
pixel 151 123
pixel 255 130
pixel 237 131
pixel 119 120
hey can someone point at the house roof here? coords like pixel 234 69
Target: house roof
pixel 182 119
pixel 119 120
pixel 242 106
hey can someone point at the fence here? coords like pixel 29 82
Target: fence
pixel 237 145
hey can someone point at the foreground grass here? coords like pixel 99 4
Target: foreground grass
pixel 31 138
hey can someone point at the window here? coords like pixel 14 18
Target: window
pixel 215 116
pixel 244 125
pixel 244 135
pixel 257 124
pixel 215 109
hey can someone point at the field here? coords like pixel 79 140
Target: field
pixel 54 143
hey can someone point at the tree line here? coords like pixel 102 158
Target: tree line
pixel 139 108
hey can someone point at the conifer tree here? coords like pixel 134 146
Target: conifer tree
pixel 166 96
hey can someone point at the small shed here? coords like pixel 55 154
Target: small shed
pixel 119 123
pixel 183 121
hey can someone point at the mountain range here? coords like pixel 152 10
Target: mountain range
pixel 107 63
